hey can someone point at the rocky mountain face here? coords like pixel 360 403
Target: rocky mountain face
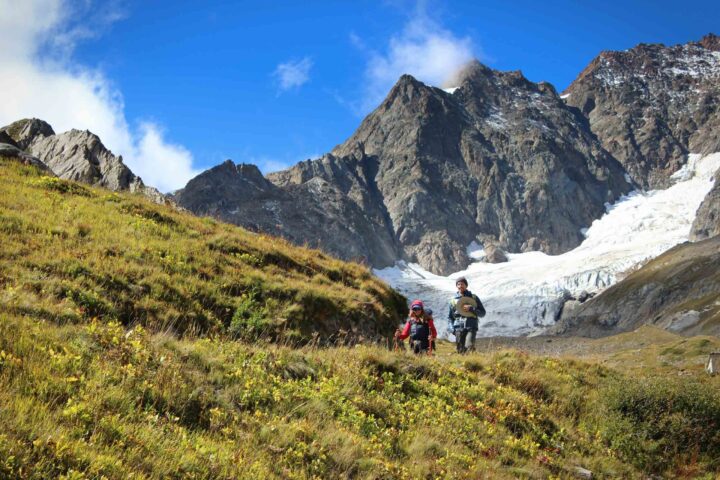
pixel 315 213
pixel 677 291
pixel 23 132
pixel 76 155
pixel 707 219
pixel 652 105
pixel 498 159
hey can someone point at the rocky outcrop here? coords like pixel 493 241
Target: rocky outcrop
pixel 26 131
pixel 652 105
pixel 11 151
pixel 80 156
pixel 494 254
pixel 7 139
pixel 77 155
pixel 499 160
pixel 677 291
pixel 707 219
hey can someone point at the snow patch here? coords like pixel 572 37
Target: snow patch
pixel 525 294
pixel 475 250
pixel 450 90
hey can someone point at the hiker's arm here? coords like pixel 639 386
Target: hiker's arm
pixel 433 331
pixel 406 332
pixel 480 309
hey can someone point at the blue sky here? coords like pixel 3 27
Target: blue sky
pixel 273 83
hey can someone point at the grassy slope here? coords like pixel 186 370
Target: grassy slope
pixel 86 392
pixel 99 400
pixel 72 253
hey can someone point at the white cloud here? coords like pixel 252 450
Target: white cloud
pixel 424 49
pixel 171 164
pixel 293 74
pixel 39 79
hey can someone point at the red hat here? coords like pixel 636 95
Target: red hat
pixel 416 303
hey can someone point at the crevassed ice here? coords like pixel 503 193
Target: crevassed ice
pixel 525 294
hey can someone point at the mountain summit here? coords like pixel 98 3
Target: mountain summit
pixel 500 160
pixel 652 105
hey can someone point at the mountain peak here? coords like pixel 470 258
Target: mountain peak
pixel 407 79
pixel 252 172
pixel 406 88
pixel 711 42
pixel 25 131
pixel 652 104
pixel 471 71
pixel 236 174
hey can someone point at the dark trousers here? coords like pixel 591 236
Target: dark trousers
pixel 465 339
pixel 421 346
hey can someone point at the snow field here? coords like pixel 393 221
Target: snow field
pixel 526 294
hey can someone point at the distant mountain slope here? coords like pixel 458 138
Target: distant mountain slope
pixel 316 213
pixel 652 105
pixel 73 253
pixel 501 160
pixel 678 291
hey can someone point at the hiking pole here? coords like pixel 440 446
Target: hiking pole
pixel 430 345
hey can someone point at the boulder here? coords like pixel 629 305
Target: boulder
pixel 494 254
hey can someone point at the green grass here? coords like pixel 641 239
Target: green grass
pixel 72 253
pixel 133 344
pixel 104 401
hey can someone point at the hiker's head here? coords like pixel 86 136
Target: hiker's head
pixel 461 284
pixel 416 307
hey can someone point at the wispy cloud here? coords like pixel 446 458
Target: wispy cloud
pixel 423 48
pixel 293 74
pixel 39 78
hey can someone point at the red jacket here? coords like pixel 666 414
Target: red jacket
pixel 406 331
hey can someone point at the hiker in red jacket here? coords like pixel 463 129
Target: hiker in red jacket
pixel 420 328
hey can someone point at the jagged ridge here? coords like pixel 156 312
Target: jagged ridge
pixel 76 155
pixel 652 105
pixel 501 160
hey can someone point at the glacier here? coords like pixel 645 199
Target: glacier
pixel 526 294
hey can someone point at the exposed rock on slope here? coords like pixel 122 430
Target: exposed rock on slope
pixel 77 155
pixel 677 291
pixel 24 132
pixel 11 151
pixel 707 220
pixel 500 159
pixel 652 105
pixel 494 255
pixel 81 156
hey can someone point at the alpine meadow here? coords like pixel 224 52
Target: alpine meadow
pixel 352 240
